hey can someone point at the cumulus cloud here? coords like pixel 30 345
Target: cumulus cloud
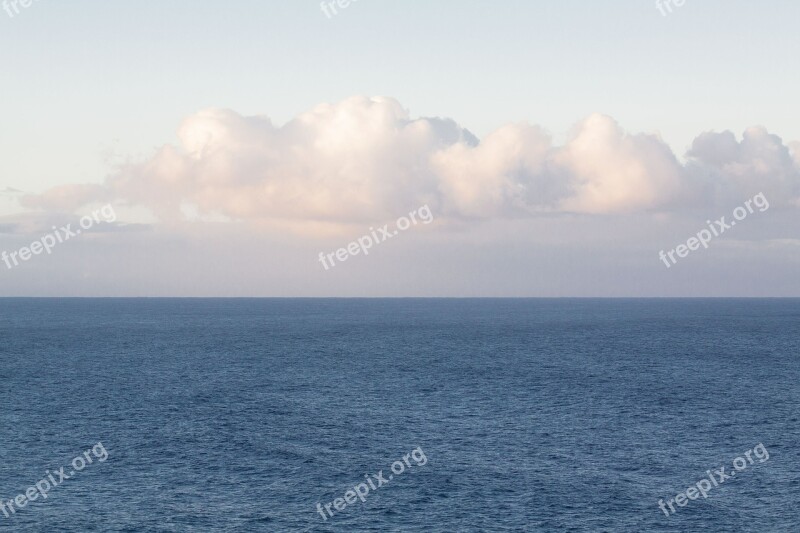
pixel 728 169
pixel 363 159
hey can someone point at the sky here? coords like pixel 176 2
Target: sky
pixel 560 148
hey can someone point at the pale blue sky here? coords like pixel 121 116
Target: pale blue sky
pixel 84 78
pixel 91 89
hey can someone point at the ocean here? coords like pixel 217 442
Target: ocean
pixel 421 415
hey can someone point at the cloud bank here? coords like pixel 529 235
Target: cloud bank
pixel 363 159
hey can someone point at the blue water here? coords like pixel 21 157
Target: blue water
pixel 532 415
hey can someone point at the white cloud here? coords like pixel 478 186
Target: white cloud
pixel 727 170
pixel 364 159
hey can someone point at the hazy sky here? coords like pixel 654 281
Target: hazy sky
pixel 560 146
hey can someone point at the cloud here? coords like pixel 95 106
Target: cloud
pixel 611 171
pixel 66 198
pixel 364 159
pixel 728 170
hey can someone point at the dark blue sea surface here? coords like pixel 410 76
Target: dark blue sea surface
pixel 532 415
